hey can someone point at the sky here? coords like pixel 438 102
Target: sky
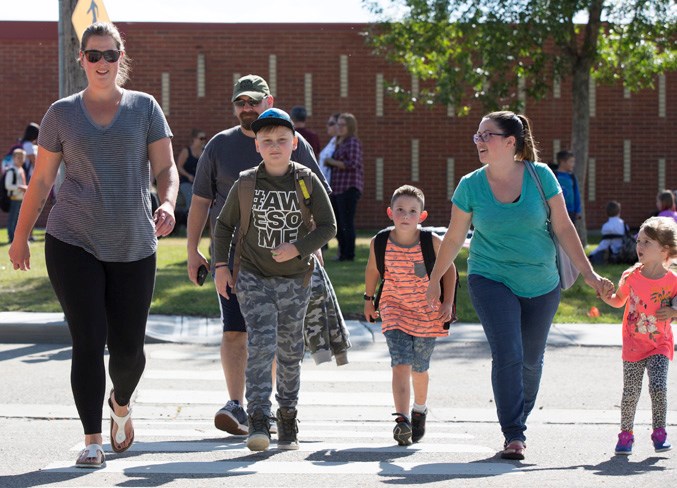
pixel 304 11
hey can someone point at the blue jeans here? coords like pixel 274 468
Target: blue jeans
pixel 13 217
pixel 186 189
pixel 516 329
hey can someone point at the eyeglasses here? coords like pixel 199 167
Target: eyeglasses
pixel 485 136
pixel 341 124
pixel 94 55
pixel 203 138
pixel 331 123
pixel 251 102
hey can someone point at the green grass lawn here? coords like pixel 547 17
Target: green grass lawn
pixel 174 294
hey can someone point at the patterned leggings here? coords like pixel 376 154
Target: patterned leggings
pixel 657 368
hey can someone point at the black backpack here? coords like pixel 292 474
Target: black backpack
pixel 5 200
pixel 428 251
pixel 627 254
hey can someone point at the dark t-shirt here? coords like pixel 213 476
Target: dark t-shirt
pixel 312 138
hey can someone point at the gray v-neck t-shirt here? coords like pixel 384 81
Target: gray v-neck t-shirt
pixel 103 205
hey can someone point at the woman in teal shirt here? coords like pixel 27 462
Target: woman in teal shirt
pixel 512 274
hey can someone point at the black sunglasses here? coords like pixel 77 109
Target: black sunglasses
pixel 93 55
pixel 250 102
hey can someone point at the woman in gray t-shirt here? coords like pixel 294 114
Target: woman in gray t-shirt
pixel 101 236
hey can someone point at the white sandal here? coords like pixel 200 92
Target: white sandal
pixel 91 452
pixel 120 422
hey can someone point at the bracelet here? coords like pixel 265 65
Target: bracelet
pixel 367 298
pixel 217 266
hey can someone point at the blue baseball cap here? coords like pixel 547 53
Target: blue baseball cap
pixel 273 116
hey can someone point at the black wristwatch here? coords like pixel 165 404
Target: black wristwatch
pixel 367 298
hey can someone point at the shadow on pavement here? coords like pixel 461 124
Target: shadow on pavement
pixel 59 354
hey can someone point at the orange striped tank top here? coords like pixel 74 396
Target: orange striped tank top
pixel 403 305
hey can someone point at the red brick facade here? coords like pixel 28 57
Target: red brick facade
pixel 633 129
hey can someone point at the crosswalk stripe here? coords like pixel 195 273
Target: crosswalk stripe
pixel 305 445
pixel 211 432
pixel 376 354
pixel 381 468
pixel 204 397
pixel 307 375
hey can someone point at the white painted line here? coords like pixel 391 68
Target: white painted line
pixel 174 397
pixel 372 354
pixel 237 444
pixel 394 468
pixel 307 375
pixel 383 434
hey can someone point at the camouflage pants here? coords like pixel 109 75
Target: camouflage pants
pixel 273 309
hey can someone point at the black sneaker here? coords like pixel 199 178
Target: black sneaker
pixel 259 435
pixel 287 429
pixel 272 425
pixel 418 425
pixel 402 431
pixel 232 418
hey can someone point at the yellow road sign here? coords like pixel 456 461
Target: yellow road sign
pixel 87 12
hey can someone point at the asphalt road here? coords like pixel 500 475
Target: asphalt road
pixel 345 425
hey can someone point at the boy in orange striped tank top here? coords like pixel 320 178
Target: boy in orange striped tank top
pixel 409 325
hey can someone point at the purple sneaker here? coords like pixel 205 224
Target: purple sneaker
pixel 660 440
pixel 625 442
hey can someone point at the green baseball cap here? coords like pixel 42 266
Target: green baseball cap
pixel 252 86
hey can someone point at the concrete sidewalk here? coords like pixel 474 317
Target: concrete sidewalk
pixel 27 327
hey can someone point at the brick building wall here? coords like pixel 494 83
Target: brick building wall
pixel 190 69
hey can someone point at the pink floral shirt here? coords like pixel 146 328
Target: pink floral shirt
pixel 643 334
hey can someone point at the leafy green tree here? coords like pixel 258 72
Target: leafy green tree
pixel 487 51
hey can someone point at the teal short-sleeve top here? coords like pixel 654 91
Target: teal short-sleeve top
pixel 511 243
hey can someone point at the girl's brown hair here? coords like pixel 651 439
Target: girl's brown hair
pixel 664 231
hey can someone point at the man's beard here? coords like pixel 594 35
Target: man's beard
pixel 246 119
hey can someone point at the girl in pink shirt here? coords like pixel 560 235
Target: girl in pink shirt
pixel 647 290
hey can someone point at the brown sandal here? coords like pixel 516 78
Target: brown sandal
pixel 513 450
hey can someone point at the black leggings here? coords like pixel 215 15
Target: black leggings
pixel 103 302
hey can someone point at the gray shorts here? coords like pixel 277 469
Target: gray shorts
pixel 408 349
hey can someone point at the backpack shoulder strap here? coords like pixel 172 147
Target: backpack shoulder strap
pixel 427 249
pixel 429 257
pixel 380 244
pixel 245 193
pixel 303 181
pixel 245 188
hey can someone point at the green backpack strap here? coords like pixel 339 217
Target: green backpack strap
pixel 245 193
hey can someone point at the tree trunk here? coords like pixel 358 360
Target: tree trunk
pixel 71 77
pixel 580 136
pixel 583 58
